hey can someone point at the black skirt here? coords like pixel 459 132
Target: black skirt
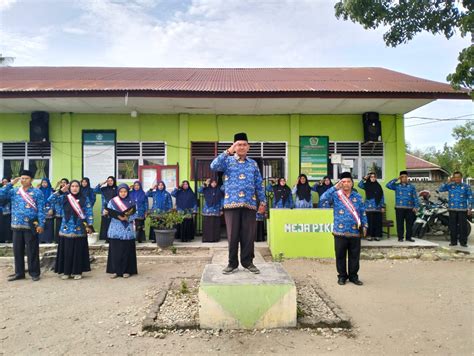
pixel 6 228
pixel 261 231
pixel 104 227
pixel 185 230
pixel 211 228
pixel 140 229
pixel 48 235
pixel 122 257
pixel 57 227
pixel 72 255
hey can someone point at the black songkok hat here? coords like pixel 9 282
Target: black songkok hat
pixel 345 175
pixel 241 136
pixel 403 172
pixel 26 172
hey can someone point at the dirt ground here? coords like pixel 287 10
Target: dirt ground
pixel 405 307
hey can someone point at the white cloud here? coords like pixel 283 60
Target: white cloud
pixel 21 46
pixel 5 4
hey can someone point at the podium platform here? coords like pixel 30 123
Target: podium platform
pixel 243 300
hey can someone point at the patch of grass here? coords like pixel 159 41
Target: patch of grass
pixel 173 250
pixel 299 312
pixel 279 258
pixel 184 287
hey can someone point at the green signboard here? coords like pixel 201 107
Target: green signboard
pixel 301 233
pixel 314 151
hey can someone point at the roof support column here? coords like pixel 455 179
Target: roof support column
pixel 184 146
pixel 400 139
pixel 294 149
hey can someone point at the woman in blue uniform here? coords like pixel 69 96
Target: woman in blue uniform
pixel 5 217
pixel 48 235
pixel 321 187
pixel 186 204
pixel 72 257
pixel 87 191
pixel 107 190
pixel 211 211
pixel 58 210
pixel 138 196
pixel 161 202
pixel 122 258
pixel 374 205
pixel 282 197
pixel 302 192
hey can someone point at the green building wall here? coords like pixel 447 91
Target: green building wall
pixel 179 130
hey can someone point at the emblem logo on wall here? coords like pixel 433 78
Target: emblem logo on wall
pixel 313 141
pixel 99 137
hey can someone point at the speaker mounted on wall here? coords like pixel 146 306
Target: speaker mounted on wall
pixel 39 126
pixel 372 127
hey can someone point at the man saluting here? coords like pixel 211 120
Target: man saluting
pixel 27 221
pixel 243 185
pixel 350 224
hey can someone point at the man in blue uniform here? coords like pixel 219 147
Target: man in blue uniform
pixel 28 218
pixel 350 224
pixel 406 205
pixel 459 205
pixel 243 185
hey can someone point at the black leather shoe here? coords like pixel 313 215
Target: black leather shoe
pixel 229 270
pixel 400 240
pixel 341 281
pixel 410 240
pixel 377 239
pixel 453 244
pixel 35 278
pixel 357 282
pixel 464 245
pixel 15 278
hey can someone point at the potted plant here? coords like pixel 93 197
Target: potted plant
pixel 164 225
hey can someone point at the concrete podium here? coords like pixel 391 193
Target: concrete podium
pixel 243 300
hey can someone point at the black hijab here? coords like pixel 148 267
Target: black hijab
pixel 373 190
pixel 321 189
pixel 109 192
pixel 68 210
pixel 281 192
pixel 86 191
pixel 212 196
pixel 186 199
pixel 303 191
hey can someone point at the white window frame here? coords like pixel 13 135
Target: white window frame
pixel 140 158
pixel 26 159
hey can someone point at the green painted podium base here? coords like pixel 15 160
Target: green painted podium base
pixel 243 300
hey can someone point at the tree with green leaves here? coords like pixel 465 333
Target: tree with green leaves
pixel 406 18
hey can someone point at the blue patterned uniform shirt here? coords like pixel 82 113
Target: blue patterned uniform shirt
pixel 344 223
pixel 459 196
pixel 370 204
pixel 161 201
pixel 243 183
pixel 211 210
pixel 22 213
pixel 405 195
pixel 72 227
pixel 117 230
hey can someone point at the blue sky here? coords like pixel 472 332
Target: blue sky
pixel 224 33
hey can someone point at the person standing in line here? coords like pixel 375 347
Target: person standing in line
pixel 374 205
pixel 350 225
pixel 122 257
pixel 243 185
pixel 5 217
pixel 321 187
pixel 107 190
pixel 87 191
pixel 138 196
pixel 58 210
pixel 406 205
pixel 186 204
pixel 27 222
pixel 48 235
pixel 282 196
pixel 211 211
pixel 302 192
pixel 162 203
pixel 72 257
pixel 460 203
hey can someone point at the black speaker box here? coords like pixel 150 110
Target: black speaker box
pixel 372 127
pixel 39 126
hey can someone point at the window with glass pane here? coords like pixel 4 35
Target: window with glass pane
pixel 373 164
pixel 39 168
pixel 12 167
pixel 128 169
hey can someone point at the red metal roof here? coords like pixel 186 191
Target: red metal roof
pixel 414 162
pixel 314 82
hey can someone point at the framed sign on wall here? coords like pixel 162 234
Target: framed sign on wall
pixel 314 151
pixel 98 154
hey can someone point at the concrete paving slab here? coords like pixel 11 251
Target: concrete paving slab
pixel 393 242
